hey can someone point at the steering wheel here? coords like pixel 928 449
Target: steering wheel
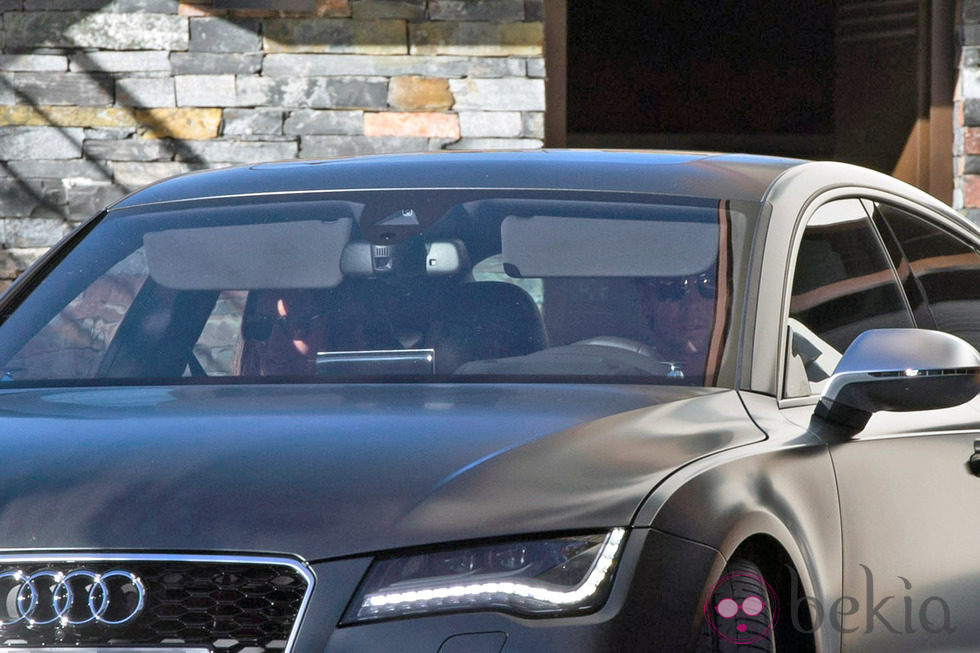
pixel 631 353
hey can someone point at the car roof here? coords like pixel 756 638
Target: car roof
pixel 722 176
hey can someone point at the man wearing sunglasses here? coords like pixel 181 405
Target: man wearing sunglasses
pixel 283 331
pixel 680 312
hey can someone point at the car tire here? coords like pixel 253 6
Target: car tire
pixel 740 580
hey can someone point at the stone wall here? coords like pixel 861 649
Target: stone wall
pixel 100 97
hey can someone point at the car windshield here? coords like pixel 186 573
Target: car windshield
pixel 387 285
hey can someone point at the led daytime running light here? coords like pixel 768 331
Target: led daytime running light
pixel 588 587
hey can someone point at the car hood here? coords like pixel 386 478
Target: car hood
pixel 322 471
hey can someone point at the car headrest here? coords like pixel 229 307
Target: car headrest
pixel 485 320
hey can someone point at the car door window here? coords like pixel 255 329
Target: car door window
pixel 945 268
pixel 843 285
pixel 217 349
pixel 74 342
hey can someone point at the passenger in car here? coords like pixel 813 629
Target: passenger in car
pixel 680 312
pixel 283 330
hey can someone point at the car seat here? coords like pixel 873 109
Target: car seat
pixel 484 320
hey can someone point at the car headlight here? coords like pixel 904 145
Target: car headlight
pixel 537 577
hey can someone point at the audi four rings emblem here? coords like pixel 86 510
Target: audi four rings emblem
pixel 51 597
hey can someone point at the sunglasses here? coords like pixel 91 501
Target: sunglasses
pixel 676 288
pixel 259 327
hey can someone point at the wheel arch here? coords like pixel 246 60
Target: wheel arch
pixel 785 570
pixel 794 629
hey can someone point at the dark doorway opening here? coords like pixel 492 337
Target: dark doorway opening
pixel 747 75
pixel 864 81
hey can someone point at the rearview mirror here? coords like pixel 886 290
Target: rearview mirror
pixel 901 370
pixel 361 258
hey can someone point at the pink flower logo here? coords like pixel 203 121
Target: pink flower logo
pixel 736 608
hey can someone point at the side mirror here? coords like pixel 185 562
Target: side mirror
pixel 902 370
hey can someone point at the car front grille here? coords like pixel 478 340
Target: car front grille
pixel 224 604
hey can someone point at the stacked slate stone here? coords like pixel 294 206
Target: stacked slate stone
pixel 99 97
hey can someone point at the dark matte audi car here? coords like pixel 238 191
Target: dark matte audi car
pixel 497 402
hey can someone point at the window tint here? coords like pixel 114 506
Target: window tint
pixel 843 285
pixel 911 286
pixel 946 269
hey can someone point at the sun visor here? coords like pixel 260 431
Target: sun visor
pixel 550 246
pixel 303 254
